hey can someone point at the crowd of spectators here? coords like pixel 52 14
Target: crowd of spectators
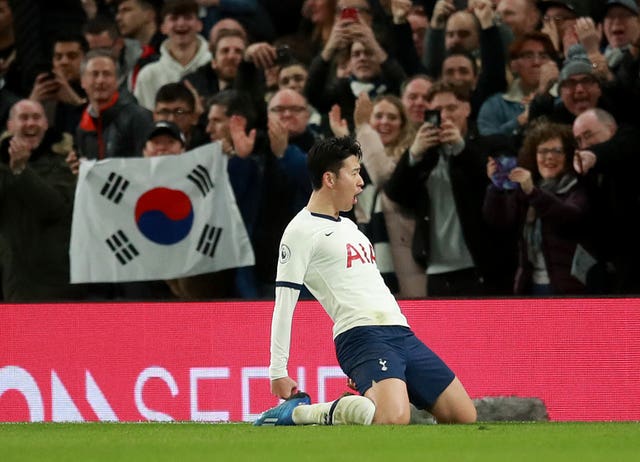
pixel 500 137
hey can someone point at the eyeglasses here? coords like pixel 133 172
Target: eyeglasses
pixel 584 139
pixel 173 112
pixel 531 55
pixel 586 81
pixel 620 16
pixel 555 151
pixel 292 109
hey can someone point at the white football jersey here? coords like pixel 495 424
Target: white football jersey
pixel 336 262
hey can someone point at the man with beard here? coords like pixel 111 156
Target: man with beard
pixel 227 51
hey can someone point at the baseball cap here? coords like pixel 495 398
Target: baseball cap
pixel 631 5
pixel 574 6
pixel 165 127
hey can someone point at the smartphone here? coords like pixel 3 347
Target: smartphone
pixel 504 165
pixel 350 14
pixel 433 117
pixel 283 55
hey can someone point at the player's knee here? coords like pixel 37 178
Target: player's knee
pixel 468 416
pixel 392 417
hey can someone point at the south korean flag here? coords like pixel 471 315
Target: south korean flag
pixel 138 219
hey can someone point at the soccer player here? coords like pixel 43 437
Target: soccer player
pixel 374 344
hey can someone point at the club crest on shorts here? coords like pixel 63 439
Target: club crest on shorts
pixel 285 253
pixel 383 364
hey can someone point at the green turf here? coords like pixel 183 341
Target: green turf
pixel 544 442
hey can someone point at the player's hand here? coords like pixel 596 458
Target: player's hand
pixel 284 387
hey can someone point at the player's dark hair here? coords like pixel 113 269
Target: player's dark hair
pixel 328 155
pixel 176 91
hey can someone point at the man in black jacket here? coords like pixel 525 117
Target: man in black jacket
pixel 608 155
pixel 112 125
pixel 442 177
pixel 36 201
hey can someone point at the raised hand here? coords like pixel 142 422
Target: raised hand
pixel 262 54
pixel 242 143
pixel 523 177
pixel 428 136
pixel 363 110
pixel 19 154
pixel 450 133
pixel 338 125
pixel 583 161
pixel 278 137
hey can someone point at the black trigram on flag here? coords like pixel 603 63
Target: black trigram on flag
pixel 200 177
pixel 114 187
pixel 209 240
pixel 123 250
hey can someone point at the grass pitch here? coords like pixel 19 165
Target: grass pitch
pixel 546 442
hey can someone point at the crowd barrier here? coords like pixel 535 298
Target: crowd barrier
pixel 208 361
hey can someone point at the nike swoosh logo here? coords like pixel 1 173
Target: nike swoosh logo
pixel 328 234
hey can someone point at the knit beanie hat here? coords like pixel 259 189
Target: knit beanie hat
pixel 577 62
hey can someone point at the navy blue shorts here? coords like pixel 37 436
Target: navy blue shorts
pixel 370 354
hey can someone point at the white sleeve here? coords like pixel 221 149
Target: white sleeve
pixel 286 299
pixel 294 258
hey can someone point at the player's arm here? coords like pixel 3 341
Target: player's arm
pixel 292 267
pixel 281 384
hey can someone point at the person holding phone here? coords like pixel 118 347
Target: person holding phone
pixel 550 211
pixel 442 176
pixel 371 69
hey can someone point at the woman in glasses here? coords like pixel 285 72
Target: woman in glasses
pixel 548 206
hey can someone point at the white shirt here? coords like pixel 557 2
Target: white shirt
pixel 336 262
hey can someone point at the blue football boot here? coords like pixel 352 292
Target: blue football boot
pixel 283 412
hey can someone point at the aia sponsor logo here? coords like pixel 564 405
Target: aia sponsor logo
pixel 358 253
